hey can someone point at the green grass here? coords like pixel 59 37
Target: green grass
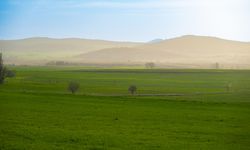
pixel 37 112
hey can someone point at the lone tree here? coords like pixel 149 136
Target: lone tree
pixel 150 65
pixel 132 89
pixel 73 87
pixel 2 70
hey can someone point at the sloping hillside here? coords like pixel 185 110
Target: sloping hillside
pixel 182 50
pixel 38 50
pixel 198 51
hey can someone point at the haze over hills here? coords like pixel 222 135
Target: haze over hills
pixel 186 51
pixel 155 41
pixel 40 50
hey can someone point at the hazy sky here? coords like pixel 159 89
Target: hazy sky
pixel 124 20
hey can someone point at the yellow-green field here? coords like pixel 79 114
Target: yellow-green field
pixel 173 109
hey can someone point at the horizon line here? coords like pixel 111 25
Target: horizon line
pixel 97 39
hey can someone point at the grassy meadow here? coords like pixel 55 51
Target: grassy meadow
pixel 172 109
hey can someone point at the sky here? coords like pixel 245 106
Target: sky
pixel 124 20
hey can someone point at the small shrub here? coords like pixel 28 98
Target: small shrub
pixel 150 65
pixel 132 89
pixel 73 87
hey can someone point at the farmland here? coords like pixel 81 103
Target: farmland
pixel 172 109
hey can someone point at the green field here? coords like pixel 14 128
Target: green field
pixel 173 109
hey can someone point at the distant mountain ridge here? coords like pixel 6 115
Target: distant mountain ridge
pixel 196 50
pixel 181 50
pixel 47 44
pixel 40 49
pixel 155 41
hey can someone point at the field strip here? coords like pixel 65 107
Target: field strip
pixel 162 94
pixel 119 95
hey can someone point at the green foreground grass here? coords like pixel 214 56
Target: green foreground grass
pixel 37 112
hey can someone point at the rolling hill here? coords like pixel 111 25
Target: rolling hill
pixel 193 50
pixel 186 51
pixel 39 50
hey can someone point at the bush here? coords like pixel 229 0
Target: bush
pixel 132 89
pixel 150 65
pixel 73 87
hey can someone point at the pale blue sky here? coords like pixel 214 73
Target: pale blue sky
pixel 124 20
